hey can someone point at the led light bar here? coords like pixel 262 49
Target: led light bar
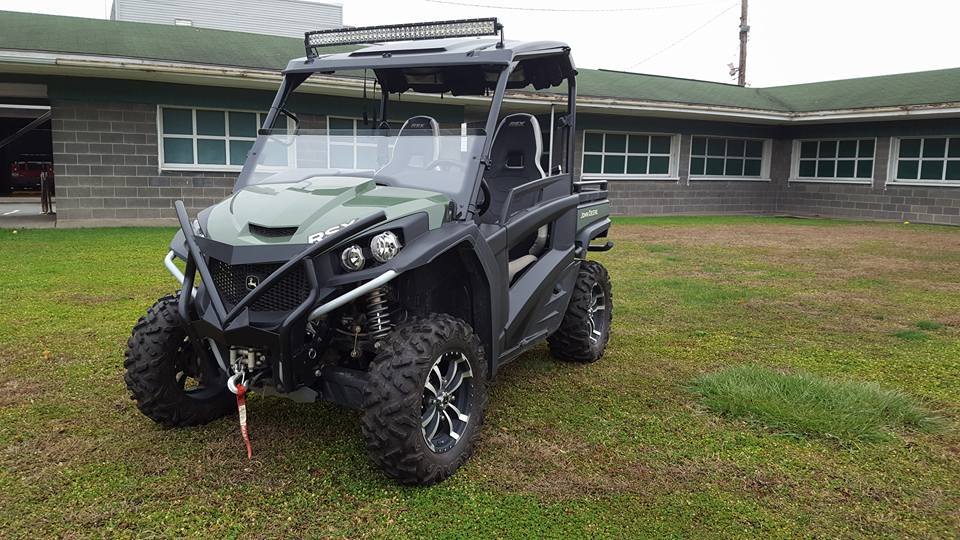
pixel 402 32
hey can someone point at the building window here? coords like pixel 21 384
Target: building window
pixel 629 155
pixel 928 160
pixel 841 160
pixel 724 157
pixel 207 139
pixel 350 144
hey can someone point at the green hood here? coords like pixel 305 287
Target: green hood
pixel 314 206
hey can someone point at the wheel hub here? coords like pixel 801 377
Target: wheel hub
pixel 595 309
pixel 447 401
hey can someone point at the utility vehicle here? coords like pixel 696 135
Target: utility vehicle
pixel 394 268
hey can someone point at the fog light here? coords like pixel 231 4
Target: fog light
pixel 385 246
pixel 352 258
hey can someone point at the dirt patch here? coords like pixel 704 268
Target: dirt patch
pixel 83 299
pixel 18 391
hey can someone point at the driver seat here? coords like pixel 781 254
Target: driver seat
pixel 515 160
pixel 417 146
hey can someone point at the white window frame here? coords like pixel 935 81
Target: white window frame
pixel 226 137
pixel 893 163
pixel 672 169
pixel 354 144
pixel 795 162
pixel 765 156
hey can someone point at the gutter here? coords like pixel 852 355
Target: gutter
pixel 216 75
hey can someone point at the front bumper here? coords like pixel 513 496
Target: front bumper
pixel 282 333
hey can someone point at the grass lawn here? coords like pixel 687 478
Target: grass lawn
pixel 629 446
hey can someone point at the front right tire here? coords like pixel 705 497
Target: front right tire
pixel 425 400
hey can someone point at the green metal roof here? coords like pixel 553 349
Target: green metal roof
pixel 52 33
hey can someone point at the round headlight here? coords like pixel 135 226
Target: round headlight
pixel 385 246
pixel 352 258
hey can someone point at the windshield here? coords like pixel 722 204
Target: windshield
pixel 444 161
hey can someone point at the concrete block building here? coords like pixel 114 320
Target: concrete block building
pixel 139 115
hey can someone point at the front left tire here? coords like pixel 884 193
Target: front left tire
pixel 425 400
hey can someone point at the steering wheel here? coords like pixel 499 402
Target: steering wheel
pixel 483 204
pixel 446 164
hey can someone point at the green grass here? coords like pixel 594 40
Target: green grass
pixel 929 325
pixel 803 404
pixel 911 335
pixel 618 448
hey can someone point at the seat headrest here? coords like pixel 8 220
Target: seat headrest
pixel 418 123
pixel 417 143
pixel 517 146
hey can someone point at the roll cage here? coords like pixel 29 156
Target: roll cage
pixel 460 67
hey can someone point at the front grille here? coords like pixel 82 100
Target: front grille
pixel 271 232
pixel 285 295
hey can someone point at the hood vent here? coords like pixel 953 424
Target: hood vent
pixel 271 232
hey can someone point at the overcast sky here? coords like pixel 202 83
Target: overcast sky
pixel 790 40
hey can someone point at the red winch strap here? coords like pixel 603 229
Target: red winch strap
pixel 242 412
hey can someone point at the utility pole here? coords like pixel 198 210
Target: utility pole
pixel 744 30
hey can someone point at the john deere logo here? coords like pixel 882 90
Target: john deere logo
pixel 252 282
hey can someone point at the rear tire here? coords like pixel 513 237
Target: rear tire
pixel 585 329
pixel 160 359
pixel 425 400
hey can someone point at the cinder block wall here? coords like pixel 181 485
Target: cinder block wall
pixel 105 162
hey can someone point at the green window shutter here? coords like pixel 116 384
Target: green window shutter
pixel 615 143
pixel 176 150
pixel 243 124
pixel 177 122
pixel 593 142
pixel 636 164
pixel 211 151
pixel 659 145
pixel 239 150
pixel 613 164
pixel 931 170
pixel 659 165
pixel 592 163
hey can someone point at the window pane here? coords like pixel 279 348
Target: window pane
pixel 866 148
pixel 755 149
pixel 239 150
pixel 591 163
pixel 274 155
pixel 613 164
pixel 243 124
pixel 367 157
pixel 341 156
pixel 593 143
pixel 211 151
pixel 340 124
pixel 931 170
pixel 828 149
pixel 934 147
pixel 697 165
pixel 953 170
pixel 751 167
pixel 699 147
pixel 178 122
pixel 615 143
pixel 715 166
pixel 734 167
pixel 210 123
pixel 716 147
pixel 177 150
pixel 639 144
pixel 954 150
pixel 910 148
pixel 636 164
pixel 808 149
pixel 659 165
pixel 845 168
pixel 825 168
pixel 659 145
pixel 865 168
pixel 808 168
pixel 907 169
pixel 847 149
pixel 735 147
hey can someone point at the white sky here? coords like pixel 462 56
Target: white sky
pixel 790 40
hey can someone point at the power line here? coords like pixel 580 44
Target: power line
pixel 684 38
pixel 561 10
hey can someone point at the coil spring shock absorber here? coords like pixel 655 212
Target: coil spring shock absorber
pixel 378 315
